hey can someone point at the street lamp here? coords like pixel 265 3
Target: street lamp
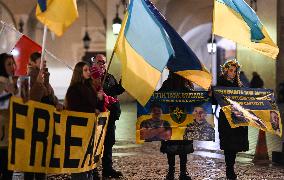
pixel 211 46
pixel 116 23
pixel 86 41
pixel 86 38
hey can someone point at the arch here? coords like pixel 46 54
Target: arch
pixel 10 13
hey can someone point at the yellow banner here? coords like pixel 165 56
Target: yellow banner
pixel 44 140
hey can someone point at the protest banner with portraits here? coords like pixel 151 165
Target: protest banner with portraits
pixel 250 107
pixel 175 116
pixel 44 140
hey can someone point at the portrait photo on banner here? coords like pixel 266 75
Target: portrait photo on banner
pixel 175 116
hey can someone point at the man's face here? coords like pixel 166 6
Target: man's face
pixel 36 63
pixel 274 120
pixel 156 113
pixel 199 114
pixel 100 62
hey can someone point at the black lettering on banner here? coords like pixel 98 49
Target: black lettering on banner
pixel 72 141
pixel 17 133
pixel 90 147
pixel 101 122
pixel 55 162
pixel 39 136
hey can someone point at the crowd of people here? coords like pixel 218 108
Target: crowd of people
pixel 86 93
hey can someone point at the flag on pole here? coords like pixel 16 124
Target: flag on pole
pixel 21 47
pixel 235 20
pixel 57 15
pixel 146 45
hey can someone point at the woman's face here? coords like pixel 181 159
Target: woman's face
pixel 86 72
pixel 10 66
pixel 232 72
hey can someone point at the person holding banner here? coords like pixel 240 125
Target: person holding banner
pixel 232 140
pixel 111 88
pixel 40 91
pixel 177 147
pixel 7 87
pixel 82 97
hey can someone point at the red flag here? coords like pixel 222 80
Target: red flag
pixel 22 51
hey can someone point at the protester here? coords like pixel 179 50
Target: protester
pixel 7 86
pixel 256 81
pixel 244 79
pixel 177 147
pixel 113 89
pixel 232 140
pixel 82 97
pixel 40 91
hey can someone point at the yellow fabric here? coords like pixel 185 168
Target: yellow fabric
pixel 178 130
pixel 59 15
pixel 201 78
pixel 264 115
pixel 138 77
pixel 25 123
pixel 230 25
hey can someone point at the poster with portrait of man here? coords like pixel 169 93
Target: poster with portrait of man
pixel 250 107
pixel 175 116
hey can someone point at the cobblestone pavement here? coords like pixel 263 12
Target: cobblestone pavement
pixel 146 162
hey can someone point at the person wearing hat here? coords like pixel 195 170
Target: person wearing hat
pixel 232 140
pixel 111 88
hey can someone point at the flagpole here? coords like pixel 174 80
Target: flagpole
pixel 108 66
pixel 43 46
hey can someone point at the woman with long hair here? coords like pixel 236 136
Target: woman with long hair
pixel 7 88
pixel 232 140
pixel 82 97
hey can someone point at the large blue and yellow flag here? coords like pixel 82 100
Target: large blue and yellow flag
pixel 146 45
pixel 58 15
pixel 235 20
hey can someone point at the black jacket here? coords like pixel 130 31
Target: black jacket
pixel 231 139
pixel 175 83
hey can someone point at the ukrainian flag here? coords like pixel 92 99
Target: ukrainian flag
pixel 235 20
pixel 58 15
pixel 146 45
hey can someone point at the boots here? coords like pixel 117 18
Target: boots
pixel 230 173
pixel 183 172
pixel 171 173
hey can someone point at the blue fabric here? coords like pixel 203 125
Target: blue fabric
pixel 42 5
pixel 184 58
pixel 147 36
pixel 248 15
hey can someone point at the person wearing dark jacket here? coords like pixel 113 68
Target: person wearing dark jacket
pixel 177 147
pixel 82 97
pixel 7 87
pixel 40 91
pixel 111 88
pixel 256 81
pixel 232 140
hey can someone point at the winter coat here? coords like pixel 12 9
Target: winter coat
pixel 231 139
pixel 4 116
pixel 41 92
pixel 112 88
pixel 82 98
pixel 175 146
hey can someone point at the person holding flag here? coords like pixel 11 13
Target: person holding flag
pixel 232 140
